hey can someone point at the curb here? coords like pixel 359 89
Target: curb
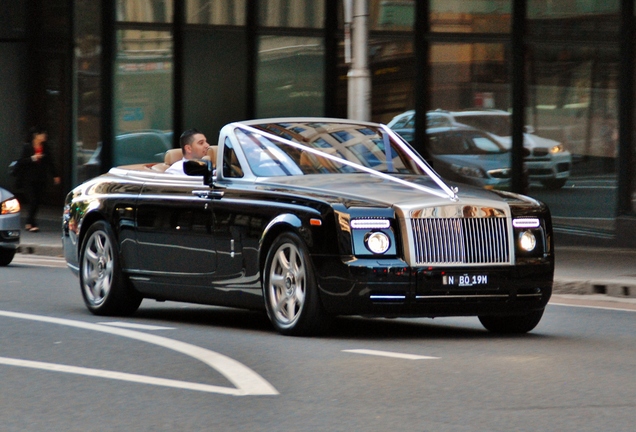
pixel 611 288
pixel 38 249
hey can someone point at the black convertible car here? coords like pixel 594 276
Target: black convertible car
pixel 310 218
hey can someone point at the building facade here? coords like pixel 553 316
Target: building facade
pixel 115 81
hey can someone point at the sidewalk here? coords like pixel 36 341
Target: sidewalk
pixel 579 270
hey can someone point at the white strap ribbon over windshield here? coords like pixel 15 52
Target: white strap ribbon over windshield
pixel 447 191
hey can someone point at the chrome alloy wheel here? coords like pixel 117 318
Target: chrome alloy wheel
pixel 97 267
pixel 287 284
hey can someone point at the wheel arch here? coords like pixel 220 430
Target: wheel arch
pixel 280 224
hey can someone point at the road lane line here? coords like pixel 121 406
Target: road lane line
pixel 122 376
pixel 390 354
pixel 246 381
pixel 135 326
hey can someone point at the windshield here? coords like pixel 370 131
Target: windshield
pixel 368 146
pixel 496 124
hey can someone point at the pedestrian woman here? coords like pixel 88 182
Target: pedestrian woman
pixel 36 167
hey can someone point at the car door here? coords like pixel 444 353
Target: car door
pixel 175 240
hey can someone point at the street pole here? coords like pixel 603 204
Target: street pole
pixel 356 47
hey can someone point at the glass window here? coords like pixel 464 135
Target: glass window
pixel 466 75
pixel 143 96
pixel 569 8
pixel 572 132
pixel 461 16
pixel 216 12
pixel 291 13
pixel 392 68
pixel 88 92
pixel 152 11
pixel 290 76
pixel 391 15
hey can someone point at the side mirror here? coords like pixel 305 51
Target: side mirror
pixel 199 168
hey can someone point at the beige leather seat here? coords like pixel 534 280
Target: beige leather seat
pixel 170 157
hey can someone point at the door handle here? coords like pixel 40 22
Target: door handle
pixel 214 193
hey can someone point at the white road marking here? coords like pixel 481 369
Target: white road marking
pixel 246 381
pixel 122 376
pixel 134 326
pixel 390 354
pixel 39 261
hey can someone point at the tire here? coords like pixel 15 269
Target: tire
pixel 512 324
pixel 6 256
pixel 554 184
pixel 290 289
pixel 105 289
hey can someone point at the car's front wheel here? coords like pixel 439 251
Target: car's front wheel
pixel 6 256
pixel 105 289
pixel 290 288
pixel 512 324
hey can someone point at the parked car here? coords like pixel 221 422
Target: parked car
pixel 130 148
pixel 546 160
pixel 9 226
pixel 307 219
pixel 468 155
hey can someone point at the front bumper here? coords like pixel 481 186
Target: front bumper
pixel 555 166
pixel 10 231
pixel 389 288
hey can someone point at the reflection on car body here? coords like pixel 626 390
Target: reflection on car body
pixel 469 156
pixel 547 161
pixel 310 218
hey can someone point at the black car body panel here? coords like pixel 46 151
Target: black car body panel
pixel 178 238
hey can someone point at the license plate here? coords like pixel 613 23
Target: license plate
pixel 465 280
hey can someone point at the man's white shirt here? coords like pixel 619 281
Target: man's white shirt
pixel 177 167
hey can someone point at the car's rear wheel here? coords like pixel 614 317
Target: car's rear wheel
pixel 512 324
pixel 6 256
pixel 290 289
pixel 105 289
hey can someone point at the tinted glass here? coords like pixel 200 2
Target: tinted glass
pixel 290 76
pixel 291 13
pixel 215 12
pixel 143 95
pixel 152 11
pixel 484 16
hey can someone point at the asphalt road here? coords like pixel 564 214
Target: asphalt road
pixel 192 368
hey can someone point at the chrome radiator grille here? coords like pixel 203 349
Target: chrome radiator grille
pixel 461 240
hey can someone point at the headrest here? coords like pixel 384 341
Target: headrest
pixel 172 156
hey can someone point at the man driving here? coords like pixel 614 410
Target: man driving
pixel 194 145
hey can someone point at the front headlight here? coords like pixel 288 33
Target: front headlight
pixel 557 149
pixel 527 241
pixel 10 206
pixel 377 242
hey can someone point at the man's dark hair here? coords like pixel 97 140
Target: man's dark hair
pixel 187 137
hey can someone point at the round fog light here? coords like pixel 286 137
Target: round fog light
pixel 377 242
pixel 527 241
